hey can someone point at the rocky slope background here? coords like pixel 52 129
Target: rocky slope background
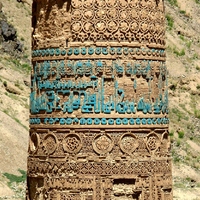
pixel 183 61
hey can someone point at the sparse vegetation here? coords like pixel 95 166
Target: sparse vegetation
pixel 170 21
pixel 17 184
pixel 195 56
pixel 171 134
pixel 197 113
pixel 17 84
pixel 190 127
pixel 197 1
pixel 12 113
pixel 173 2
pixel 13 178
pixel 188 44
pixel 178 143
pixel 198 87
pixel 181 134
pixel 179 114
pixel 182 37
pixel 178 53
pixel 182 12
pixel 22 67
pixel 5 84
pixel 198 68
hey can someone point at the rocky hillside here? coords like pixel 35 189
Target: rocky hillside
pixel 183 61
pixel 15 17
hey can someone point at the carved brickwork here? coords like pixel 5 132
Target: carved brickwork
pixel 99 101
pixel 124 20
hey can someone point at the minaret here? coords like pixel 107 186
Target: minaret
pixel 99 101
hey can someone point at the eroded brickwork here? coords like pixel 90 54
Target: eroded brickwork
pixel 99 101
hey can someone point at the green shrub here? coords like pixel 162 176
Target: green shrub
pixel 182 53
pixel 13 178
pixel 5 84
pixel 182 12
pixel 195 56
pixel 182 37
pixel 188 44
pixel 178 143
pixel 198 68
pixel 198 87
pixel 181 134
pixel 170 21
pixel 197 1
pixel 26 67
pixel 171 133
pixel 173 2
pixel 176 158
pixel 179 53
pixel 197 113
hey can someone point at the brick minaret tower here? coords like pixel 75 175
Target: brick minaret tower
pixel 99 101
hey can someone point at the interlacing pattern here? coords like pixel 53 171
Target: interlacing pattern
pixel 124 20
